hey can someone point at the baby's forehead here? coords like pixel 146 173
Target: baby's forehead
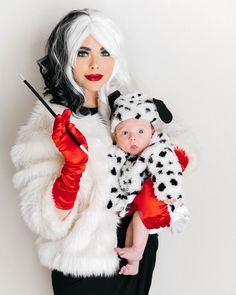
pixel 133 123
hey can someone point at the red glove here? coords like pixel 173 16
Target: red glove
pixel 153 212
pixel 183 157
pixel 66 186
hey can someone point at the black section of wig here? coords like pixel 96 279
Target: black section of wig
pixel 52 66
pixel 112 98
pixel 164 113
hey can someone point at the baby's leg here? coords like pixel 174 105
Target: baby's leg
pixel 129 235
pixel 139 234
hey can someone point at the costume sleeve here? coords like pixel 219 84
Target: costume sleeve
pixel 39 163
pixel 184 141
pixel 165 170
pixel 116 159
pixel 166 175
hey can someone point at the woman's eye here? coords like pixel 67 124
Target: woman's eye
pixel 83 53
pixel 104 52
pixel 141 131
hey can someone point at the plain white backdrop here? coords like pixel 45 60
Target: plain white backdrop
pixel 183 51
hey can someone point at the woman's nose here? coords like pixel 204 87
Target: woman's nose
pixel 94 63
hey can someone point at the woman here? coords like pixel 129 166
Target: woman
pixel 64 194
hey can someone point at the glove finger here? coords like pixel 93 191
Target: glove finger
pixel 66 116
pixel 62 118
pixel 58 132
pixel 58 120
pixel 78 135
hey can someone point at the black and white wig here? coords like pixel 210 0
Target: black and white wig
pixel 62 50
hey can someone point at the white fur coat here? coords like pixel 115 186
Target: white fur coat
pixel 81 244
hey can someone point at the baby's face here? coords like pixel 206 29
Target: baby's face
pixel 133 135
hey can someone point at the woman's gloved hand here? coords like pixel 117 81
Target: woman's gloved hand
pixel 66 185
pixel 182 156
pixel 153 212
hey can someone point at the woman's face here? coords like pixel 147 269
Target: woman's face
pixel 93 65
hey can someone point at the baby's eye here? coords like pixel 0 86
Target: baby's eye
pixel 124 132
pixel 141 131
pixel 104 52
pixel 83 53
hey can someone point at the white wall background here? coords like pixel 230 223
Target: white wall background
pixel 183 51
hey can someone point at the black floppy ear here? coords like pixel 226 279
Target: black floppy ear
pixel 111 99
pixel 164 114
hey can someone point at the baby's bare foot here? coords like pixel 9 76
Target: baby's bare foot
pixel 132 253
pixel 130 269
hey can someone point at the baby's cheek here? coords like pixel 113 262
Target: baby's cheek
pixel 126 148
pixel 123 145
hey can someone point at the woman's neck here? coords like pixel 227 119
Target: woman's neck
pixel 90 99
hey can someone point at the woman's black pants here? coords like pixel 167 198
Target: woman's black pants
pixel 117 284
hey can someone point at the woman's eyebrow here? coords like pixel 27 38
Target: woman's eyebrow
pixel 89 49
pixel 85 48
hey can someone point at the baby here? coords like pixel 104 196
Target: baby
pixel 141 153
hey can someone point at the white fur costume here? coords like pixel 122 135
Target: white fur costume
pixel 81 244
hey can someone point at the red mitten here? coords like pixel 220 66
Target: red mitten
pixel 66 186
pixel 153 212
pixel 183 157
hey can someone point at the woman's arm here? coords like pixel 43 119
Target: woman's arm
pixel 182 157
pixel 154 213
pixel 39 164
pixel 67 185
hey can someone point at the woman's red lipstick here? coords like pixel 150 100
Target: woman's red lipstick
pixel 94 77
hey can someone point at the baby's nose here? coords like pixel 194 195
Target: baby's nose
pixel 132 137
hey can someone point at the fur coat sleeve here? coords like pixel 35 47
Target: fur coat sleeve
pixel 37 171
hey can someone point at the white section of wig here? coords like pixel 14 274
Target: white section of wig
pixel 105 32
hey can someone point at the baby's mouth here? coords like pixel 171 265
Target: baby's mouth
pixel 133 146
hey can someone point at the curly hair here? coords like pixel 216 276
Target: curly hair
pixel 62 49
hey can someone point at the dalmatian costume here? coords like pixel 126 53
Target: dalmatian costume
pixel 157 161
